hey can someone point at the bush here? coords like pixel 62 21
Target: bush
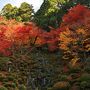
pixel 75 69
pixel 10 78
pixel 63 78
pixel 49 89
pixel 22 87
pixel 84 85
pixel 87 69
pixel 3 88
pixel 12 85
pixel 2 78
pixel 63 85
pixel 85 77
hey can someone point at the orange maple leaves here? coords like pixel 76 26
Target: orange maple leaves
pixel 76 24
pixel 76 21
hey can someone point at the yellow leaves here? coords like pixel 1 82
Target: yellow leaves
pixel 75 35
pixel 61 85
pixel 63 46
pixel 80 31
pixel 65 57
pixel 74 40
pixel 65 34
pixel 74 60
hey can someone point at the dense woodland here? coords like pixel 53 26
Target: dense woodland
pixel 45 50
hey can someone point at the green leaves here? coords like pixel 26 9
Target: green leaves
pixel 4 60
pixel 23 13
pixel 51 14
pixel 6 9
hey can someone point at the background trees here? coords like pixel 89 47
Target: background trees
pixel 48 12
pixel 23 13
pixel 6 10
pixel 52 11
pixel 26 11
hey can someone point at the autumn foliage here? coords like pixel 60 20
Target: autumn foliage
pixel 72 34
pixel 15 34
pixel 75 37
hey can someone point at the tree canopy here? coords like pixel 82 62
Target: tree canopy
pixel 52 11
pixel 23 13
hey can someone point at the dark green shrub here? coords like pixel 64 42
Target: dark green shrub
pixel 49 89
pixel 63 78
pixel 2 78
pixel 85 77
pixel 84 85
pixel 87 69
pixel 10 78
pixel 75 69
pixel 22 87
pixel 12 85
pixel 5 80
pixel 3 88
